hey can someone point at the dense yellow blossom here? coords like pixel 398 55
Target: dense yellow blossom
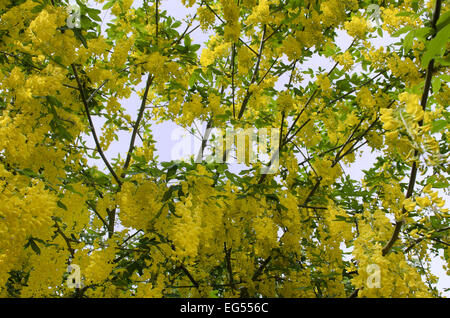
pixel 82 182
pixel 357 27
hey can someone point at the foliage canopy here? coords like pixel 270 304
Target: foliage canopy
pixel 145 228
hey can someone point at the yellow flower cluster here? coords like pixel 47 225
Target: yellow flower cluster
pixel 328 173
pixel 378 275
pixel 97 265
pixel 345 59
pixel 433 198
pixel 392 21
pixel 121 52
pixel 324 84
pixel 334 11
pixel 260 13
pixel 245 60
pixel 138 205
pixel 214 104
pixel 193 109
pixel 339 225
pixel 206 18
pixel 214 50
pixel 26 212
pixel 413 108
pixel 186 232
pixel 46 276
pixel 388 119
pixel 231 14
pixel 356 27
pixel 365 99
pixel 45 36
pixel 188 3
pixel 285 101
pixel 404 68
pixel 377 57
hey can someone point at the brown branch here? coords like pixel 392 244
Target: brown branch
pixel 228 263
pixel 286 139
pixel 261 268
pixel 233 56
pixel 254 76
pixel 204 140
pixel 423 238
pixel 98 214
pixel 23 61
pixel 354 294
pixel 92 127
pixel 66 239
pixel 413 174
pixel 280 142
pixel 156 21
pixel 314 189
pixel 309 101
pixel 188 274
pixel 137 123
pixel 221 20
pixel 268 70
pixel 356 88
pixel 312 207
pixel 185 32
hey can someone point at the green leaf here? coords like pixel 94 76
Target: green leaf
pixel 436 84
pixel 171 171
pixel 438 125
pixel 408 40
pixel 34 246
pixel 80 37
pixel 195 47
pixel 441 185
pixel 52 100
pixel 380 32
pixel 37 9
pixel 233 178
pixel 187 41
pixel 168 194
pixel 109 4
pixel 436 46
pixel 61 205
pixel 404 14
pixel 214 294
pixel 415 5
pixel 443 21
pixel 27 172
pixel 176 24
pixel 94 14
pixel 423 33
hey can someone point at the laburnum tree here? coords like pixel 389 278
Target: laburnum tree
pixel 143 228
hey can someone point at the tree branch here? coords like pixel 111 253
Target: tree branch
pixel 92 128
pixel 228 263
pixel 136 124
pixel 254 76
pixel 423 102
